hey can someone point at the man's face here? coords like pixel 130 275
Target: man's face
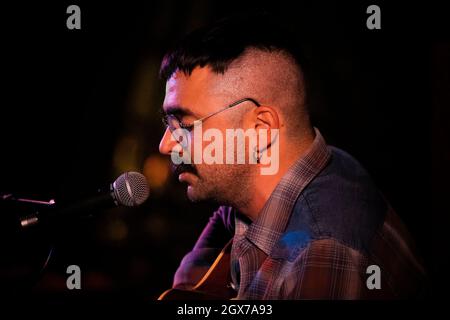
pixel 191 98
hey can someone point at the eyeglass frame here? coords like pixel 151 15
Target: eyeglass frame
pixel 189 127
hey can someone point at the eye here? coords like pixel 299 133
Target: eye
pixel 186 126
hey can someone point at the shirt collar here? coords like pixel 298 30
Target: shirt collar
pixel 265 231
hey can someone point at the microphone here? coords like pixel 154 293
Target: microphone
pixel 130 189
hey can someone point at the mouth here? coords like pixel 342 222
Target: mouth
pixel 184 177
pixel 183 170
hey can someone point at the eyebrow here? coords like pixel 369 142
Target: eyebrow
pixel 178 111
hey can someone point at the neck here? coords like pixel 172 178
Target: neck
pixel 264 185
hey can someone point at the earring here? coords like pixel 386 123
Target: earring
pixel 256 155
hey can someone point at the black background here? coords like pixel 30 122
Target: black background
pixel 78 107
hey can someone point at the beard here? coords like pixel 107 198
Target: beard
pixel 226 184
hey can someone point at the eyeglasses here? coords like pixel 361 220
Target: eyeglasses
pixel 173 123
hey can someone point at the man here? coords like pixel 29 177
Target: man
pixel 314 227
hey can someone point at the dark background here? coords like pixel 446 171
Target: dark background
pixel 79 107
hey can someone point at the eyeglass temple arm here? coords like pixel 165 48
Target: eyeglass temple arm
pixel 228 107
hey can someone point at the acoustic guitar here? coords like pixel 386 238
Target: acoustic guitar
pixel 214 285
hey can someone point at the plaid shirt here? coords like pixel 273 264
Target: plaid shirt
pixel 322 227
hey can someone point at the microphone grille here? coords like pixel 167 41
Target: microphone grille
pixel 131 189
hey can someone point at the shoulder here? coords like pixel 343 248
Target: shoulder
pixel 340 203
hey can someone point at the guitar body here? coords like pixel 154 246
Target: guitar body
pixel 214 285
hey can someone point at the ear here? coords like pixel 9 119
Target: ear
pixel 266 119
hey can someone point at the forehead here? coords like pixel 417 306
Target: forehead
pixel 200 92
pixel 182 83
pixel 184 90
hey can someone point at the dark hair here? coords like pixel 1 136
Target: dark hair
pixel 222 42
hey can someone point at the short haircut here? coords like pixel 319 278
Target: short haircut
pixel 219 44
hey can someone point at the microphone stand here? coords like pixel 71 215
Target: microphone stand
pixel 30 219
pixel 23 243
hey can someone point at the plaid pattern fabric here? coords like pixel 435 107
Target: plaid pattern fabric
pixel 328 269
pixel 319 231
pixel 253 242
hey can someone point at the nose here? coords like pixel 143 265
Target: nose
pixel 166 144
